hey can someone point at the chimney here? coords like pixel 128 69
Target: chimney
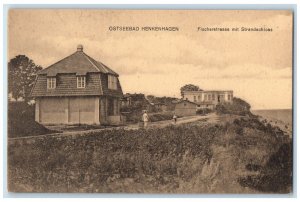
pixel 79 48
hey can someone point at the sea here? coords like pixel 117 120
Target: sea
pixel 284 115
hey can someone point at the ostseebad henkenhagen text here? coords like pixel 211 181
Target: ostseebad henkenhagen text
pixel 199 29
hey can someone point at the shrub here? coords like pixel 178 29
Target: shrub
pixel 203 111
pixel 275 176
pixel 238 107
pixel 161 116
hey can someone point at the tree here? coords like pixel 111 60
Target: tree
pixel 151 98
pixel 21 76
pixel 189 87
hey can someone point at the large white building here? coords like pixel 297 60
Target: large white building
pixel 208 99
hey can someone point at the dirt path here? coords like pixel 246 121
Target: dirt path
pixel 210 118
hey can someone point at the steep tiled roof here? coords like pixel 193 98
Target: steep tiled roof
pixel 102 67
pixel 78 62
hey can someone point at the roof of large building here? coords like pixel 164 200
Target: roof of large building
pixel 66 71
pixel 79 63
pixel 207 91
pixel 197 103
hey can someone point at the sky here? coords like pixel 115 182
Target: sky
pixel 257 66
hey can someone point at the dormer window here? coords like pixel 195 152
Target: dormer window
pixel 51 82
pixel 80 81
pixel 112 82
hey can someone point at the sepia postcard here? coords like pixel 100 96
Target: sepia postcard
pixel 150 101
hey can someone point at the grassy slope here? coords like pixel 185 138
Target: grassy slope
pixel 232 157
pixel 21 121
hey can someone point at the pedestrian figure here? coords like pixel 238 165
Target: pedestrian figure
pixel 145 119
pixel 175 118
